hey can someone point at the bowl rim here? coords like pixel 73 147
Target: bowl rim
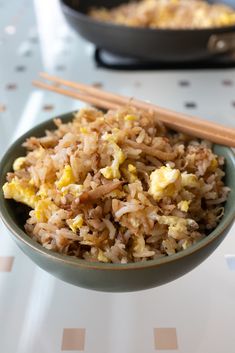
pixel 22 236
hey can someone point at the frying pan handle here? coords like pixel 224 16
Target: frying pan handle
pixel 221 43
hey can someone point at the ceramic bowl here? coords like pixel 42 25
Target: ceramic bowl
pixel 103 276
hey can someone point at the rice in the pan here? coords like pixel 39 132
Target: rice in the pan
pixel 118 187
pixel 174 14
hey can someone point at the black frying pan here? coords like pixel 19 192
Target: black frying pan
pixel 148 44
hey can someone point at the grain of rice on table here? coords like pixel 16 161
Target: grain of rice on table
pixel 118 187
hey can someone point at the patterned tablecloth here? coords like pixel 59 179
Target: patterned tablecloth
pixel 41 314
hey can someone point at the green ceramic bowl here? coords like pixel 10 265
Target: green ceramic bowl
pixel 111 277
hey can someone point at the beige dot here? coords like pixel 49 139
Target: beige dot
pixel 137 84
pixel 184 83
pixel 97 84
pixel 48 107
pixel 227 82
pixel 73 339
pixel 190 105
pixel 2 108
pixel 165 338
pixel 60 67
pixel 11 86
pixel 6 263
pixel 20 68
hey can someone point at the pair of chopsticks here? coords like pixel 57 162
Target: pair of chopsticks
pixel 180 122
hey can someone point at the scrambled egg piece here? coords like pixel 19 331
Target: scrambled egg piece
pixel 164 181
pixel 75 223
pixel 83 130
pixel 138 244
pixel 169 245
pixel 183 205
pixel 20 193
pixel 213 165
pixel 101 257
pixel 226 19
pixel 44 209
pixel 130 117
pixel 186 243
pixel 67 178
pixel 44 190
pixel 189 180
pixel 177 227
pixel 116 194
pixel 135 222
pixel 133 173
pixel 140 248
pixel 31 182
pixel 112 172
pixel 130 173
pixel 19 163
pixel 26 194
pixel 74 189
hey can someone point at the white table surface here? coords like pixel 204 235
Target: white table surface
pixel 41 314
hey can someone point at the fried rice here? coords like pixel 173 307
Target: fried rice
pixel 174 14
pixel 118 187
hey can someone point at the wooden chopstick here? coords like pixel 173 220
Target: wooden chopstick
pixel 102 99
pixel 76 95
pixel 166 115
